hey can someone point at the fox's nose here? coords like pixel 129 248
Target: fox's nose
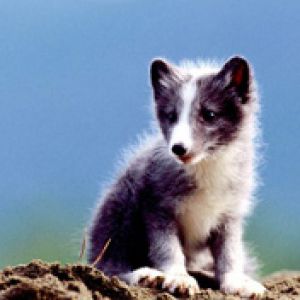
pixel 179 149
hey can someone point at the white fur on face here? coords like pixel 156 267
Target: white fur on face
pixel 182 132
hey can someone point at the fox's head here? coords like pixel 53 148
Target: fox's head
pixel 198 112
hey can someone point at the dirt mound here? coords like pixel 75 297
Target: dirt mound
pixel 39 280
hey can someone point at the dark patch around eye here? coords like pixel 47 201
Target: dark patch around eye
pixel 208 115
pixel 227 124
pixel 231 111
pixel 170 116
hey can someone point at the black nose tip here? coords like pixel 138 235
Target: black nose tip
pixel 179 149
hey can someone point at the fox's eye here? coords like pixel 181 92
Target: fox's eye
pixel 171 116
pixel 208 115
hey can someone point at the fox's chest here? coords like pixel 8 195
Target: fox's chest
pixel 198 215
pixel 202 211
pixel 223 188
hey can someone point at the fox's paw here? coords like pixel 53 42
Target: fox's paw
pixel 146 277
pixel 150 278
pixel 242 285
pixel 179 284
pixel 182 284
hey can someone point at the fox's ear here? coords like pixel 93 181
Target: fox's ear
pixel 163 76
pixel 236 73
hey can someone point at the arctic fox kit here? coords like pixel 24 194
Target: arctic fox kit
pixel 181 202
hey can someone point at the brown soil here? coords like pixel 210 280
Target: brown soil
pixel 39 280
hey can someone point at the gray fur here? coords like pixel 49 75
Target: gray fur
pixel 141 203
pixel 146 212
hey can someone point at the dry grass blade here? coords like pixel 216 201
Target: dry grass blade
pixel 83 245
pixel 99 257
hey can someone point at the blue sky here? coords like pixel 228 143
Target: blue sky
pixel 74 91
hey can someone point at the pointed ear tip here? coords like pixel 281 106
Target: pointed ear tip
pixel 157 63
pixel 159 67
pixel 158 60
pixel 239 60
pixel 241 72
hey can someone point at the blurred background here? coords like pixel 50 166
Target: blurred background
pixel 74 91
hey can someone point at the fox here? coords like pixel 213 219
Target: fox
pixel 182 199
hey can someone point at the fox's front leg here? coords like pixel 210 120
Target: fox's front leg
pixel 166 255
pixel 228 251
